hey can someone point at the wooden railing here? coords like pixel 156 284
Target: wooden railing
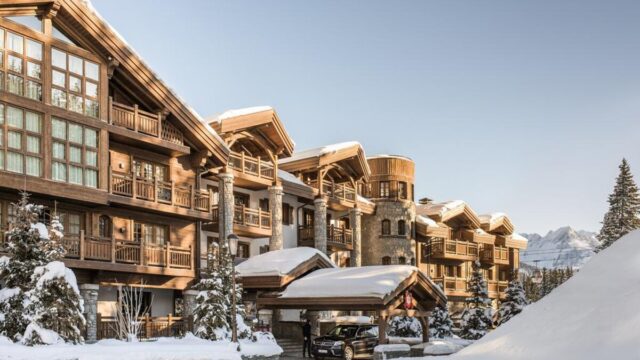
pixel 336 235
pixel 144 122
pixel 165 192
pixel 495 254
pixel 243 215
pixel 251 165
pixel 443 248
pixel 83 247
pixel 339 191
pixel 496 287
pixel 306 233
pixel 150 327
pixel 452 284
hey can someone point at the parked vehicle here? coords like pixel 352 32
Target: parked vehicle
pixel 349 341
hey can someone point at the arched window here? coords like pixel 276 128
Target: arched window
pixel 402 260
pixel 386 260
pixel 386 227
pixel 402 227
pixel 104 226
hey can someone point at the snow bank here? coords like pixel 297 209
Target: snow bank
pixel 279 262
pixel 366 281
pixel 392 347
pixel 446 346
pixel 319 151
pixel 48 337
pixel 594 315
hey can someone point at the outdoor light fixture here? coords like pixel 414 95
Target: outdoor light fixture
pixel 232 240
pixel 233 244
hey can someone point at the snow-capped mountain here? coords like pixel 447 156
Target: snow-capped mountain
pixel 560 248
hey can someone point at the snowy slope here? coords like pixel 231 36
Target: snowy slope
pixel 560 248
pixel 594 315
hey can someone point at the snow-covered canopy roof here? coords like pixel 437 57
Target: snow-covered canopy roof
pixel 496 223
pixel 347 160
pixel 455 213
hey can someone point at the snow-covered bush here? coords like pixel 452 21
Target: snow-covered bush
pixel 440 323
pixel 405 326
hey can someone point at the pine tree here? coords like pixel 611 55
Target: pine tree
pixel 440 323
pixel 514 302
pixel 476 318
pixel 210 313
pixel 531 289
pixel 624 208
pixel 544 285
pixel 226 270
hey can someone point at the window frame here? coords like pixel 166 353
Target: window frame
pixel 384 189
pixel 25 133
pixel 84 149
pixel 25 60
pixel 385 227
pixel 402 227
pixel 84 80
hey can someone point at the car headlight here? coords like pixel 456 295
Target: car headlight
pixel 338 343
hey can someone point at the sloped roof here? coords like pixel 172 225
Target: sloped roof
pixel 349 153
pixel 455 213
pixel 498 223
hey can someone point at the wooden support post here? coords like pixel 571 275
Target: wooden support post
pixel 113 243
pixel 169 323
pixel 167 255
pixel 135 117
pixel 98 326
pixel 110 109
pixel 382 328
pixel 147 324
pixel 424 321
pixel 160 124
pixel 242 162
pixel 81 247
pixel 142 250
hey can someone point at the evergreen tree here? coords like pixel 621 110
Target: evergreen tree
pixel 210 313
pixel 531 289
pixel 405 326
pixel 624 208
pixel 477 317
pixel 514 302
pixel 440 323
pixel 544 285
pixel 226 270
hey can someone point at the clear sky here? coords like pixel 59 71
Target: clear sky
pixel 525 107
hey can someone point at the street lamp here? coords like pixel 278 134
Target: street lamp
pixel 233 249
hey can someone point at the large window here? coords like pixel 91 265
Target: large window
pixel 402 190
pixel 75 83
pixel 402 227
pixel 384 189
pixel 150 234
pixel 20 141
pixel 20 65
pixel 71 222
pixel 74 153
pixel 386 227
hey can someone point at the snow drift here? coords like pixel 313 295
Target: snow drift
pixel 593 315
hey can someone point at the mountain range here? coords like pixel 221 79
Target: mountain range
pixel 559 248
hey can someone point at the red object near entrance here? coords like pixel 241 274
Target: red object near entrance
pixel 408 300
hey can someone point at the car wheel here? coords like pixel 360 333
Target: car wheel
pixel 348 353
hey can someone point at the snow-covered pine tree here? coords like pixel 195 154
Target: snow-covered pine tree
pixel 477 317
pixel 405 326
pixel 514 302
pixel 545 288
pixel 226 270
pixel 624 208
pixel 440 323
pixel 210 315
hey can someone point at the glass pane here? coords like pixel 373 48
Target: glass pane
pixel 28 21
pixel 91 70
pixel 1 75
pixel 58 78
pixel 15 42
pixel 59 129
pixel 91 89
pixel 75 154
pixel 75 103
pixel 75 64
pixel 75 133
pixel 58 58
pixel 34 166
pixel 75 175
pixel 1 113
pixel 34 90
pixel 90 137
pixel 34 49
pixel 14 117
pixel 1 38
pixel 91 158
pixel 59 98
pixel 59 171
pixel 91 178
pixel 33 122
pixel 15 84
pixel 15 63
pixel 74 224
pixel 1 138
pixel 75 84
pixel 33 144
pixel 58 151
pixel 14 140
pixel 33 70
pixel 1 59
pixel 91 108
pixel 14 162
pixel 1 160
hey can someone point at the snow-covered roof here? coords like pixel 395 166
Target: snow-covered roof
pixel 491 218
pixel 426 221
pixel 442 208
pixel 363 199
pixel 289 177
pixel 389 156
pixel 238 112
pixel 278 263
pixel 365 281
pixel 518 237
pixel 319 151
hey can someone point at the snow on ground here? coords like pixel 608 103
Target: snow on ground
pixel 446 346
pixel 350 319
pixel 188 348
pixel 594 315
pixel 278 263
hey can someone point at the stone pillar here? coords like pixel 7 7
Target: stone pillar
pixel 320 224
pixel 189 305
pixel 355 220
pixel 89 293
pixel 226 206
pixel 275 205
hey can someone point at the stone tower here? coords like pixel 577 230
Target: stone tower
pixel 387 235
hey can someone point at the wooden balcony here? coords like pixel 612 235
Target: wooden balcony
pixel 340 192
pixel 117 255
pixel 453 286
pixel 253 223
pixel 338 238
pixel 494 255
pixel 168 196
pixel 451 250
pixel 130 121
pixel 497 288
pixel 251 172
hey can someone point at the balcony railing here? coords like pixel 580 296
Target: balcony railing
pixel 163 192
pixel 452 285
pixel 451 249
pixel 495 254
pixel 83 247
pixel 245 216
pixel 251 165
pixel 336 235
pixel 496 287
pixel 150 327
pixel 144 122
pixel 340 191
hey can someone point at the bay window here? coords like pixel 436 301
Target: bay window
pixel 20 65
pixel 74 153
pixel 20 141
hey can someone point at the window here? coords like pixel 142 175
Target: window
pixel 150 233
pixel 307 217
pixel 241 199
pixel 20 141
pixel 386 227
pixel 402 227
pixel 75 83
pixel 71 222
pixel 386 260
pixel 104 226
pixel 74 153
pixel 287 214
pixel 264 204
pixel 402 260
pixel 23 65
pixel 243 250
pixel 384 189
pixel 402 190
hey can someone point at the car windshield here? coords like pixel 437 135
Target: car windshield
pixel 344 331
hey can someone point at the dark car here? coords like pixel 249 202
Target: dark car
pixel 347 342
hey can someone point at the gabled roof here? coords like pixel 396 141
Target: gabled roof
pixel 427 227
pixel 349 154
pixel 456 214
pixel 82 22
pixel 496 223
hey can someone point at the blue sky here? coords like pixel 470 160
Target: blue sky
pixel 525 107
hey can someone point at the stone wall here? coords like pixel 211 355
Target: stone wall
pixel 375 246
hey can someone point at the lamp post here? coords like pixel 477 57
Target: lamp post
pixel 233 249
